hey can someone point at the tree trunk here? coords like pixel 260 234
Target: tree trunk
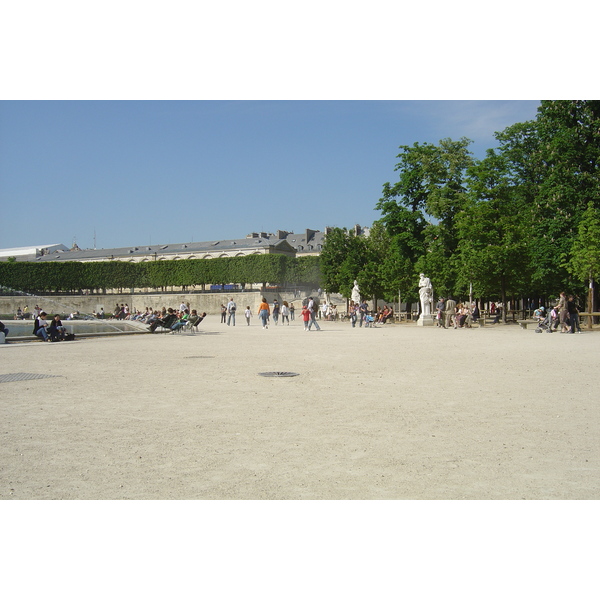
pixel 590 302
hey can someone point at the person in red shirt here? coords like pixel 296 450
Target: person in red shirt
pixel 305 317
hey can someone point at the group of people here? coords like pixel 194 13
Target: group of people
pixel 359 312
pixel 283 310
pixel 328 312
pixel 50 332
pixel 450 314
pixel 174 320
pixel 21 314
pixel 121 312
pixel 564 315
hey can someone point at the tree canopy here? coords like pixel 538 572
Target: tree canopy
pixel 520 221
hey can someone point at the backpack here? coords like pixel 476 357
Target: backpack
pixel 36 325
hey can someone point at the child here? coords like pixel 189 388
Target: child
pixel 248 314
pixel 305 317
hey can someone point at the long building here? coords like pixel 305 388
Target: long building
pixel 309 242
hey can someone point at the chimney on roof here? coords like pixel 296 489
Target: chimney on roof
pixel 281 235
pixel 264 235
pixel 357 230
pixel 309 234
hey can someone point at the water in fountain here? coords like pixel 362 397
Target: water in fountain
pixel 99 323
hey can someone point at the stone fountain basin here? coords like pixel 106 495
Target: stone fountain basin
pixel 23 329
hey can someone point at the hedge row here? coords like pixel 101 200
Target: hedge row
pixel 274 269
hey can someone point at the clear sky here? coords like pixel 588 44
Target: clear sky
pixel 137 172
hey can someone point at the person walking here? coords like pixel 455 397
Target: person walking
pixel 499 309
pixel 263 312
pixel 573 314
pixel 292 311
pixel 450 313
pixel 440 308
pixel 363 309
pixel 312 309
pixel 352 311
pixel 563 313
pixel 275 311
pixel 285 313
pixel 305 317
pixel 247 314
pixel 231 308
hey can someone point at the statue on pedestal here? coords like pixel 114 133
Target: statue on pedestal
pixel 355 293
pixel 426 294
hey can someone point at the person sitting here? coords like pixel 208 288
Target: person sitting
pixel 152 318
pixel 3 329
pixel 334 312
pixel 387 313
pixel 182 319
pixel 56 331
pixel 40 325
pixel 468 316
pixel 165 322
pixel 195 319
pixel 539 313
pixel 459 317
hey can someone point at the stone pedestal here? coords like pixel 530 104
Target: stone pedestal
pixel 426 321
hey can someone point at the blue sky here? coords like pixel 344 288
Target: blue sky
pixel 137 172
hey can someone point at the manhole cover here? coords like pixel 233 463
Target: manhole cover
pixel 278 374
pixel 23 377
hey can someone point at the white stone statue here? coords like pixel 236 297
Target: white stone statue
pixel 426 294
pixel 355 293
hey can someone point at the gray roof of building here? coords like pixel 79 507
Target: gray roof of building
pixel 243 244
pixel 304 242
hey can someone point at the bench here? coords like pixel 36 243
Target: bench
pixel 526 322
pixel 589 316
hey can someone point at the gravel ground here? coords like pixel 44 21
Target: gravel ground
pixel 394 412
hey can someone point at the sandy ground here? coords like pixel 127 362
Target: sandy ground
pixel 395 412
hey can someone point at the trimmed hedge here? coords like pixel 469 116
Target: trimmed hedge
pixel 275 269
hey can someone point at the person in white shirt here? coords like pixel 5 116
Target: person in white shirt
pixel 285 313
pixel 40 326
pixel 231 308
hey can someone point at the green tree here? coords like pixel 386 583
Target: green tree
pixel 585 253
pixel 422 207
pixel 494 232
pixel 375 278
pixel 568 161
pixel 342 260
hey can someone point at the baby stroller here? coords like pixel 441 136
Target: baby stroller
pixel 544 325
pixel 369 321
